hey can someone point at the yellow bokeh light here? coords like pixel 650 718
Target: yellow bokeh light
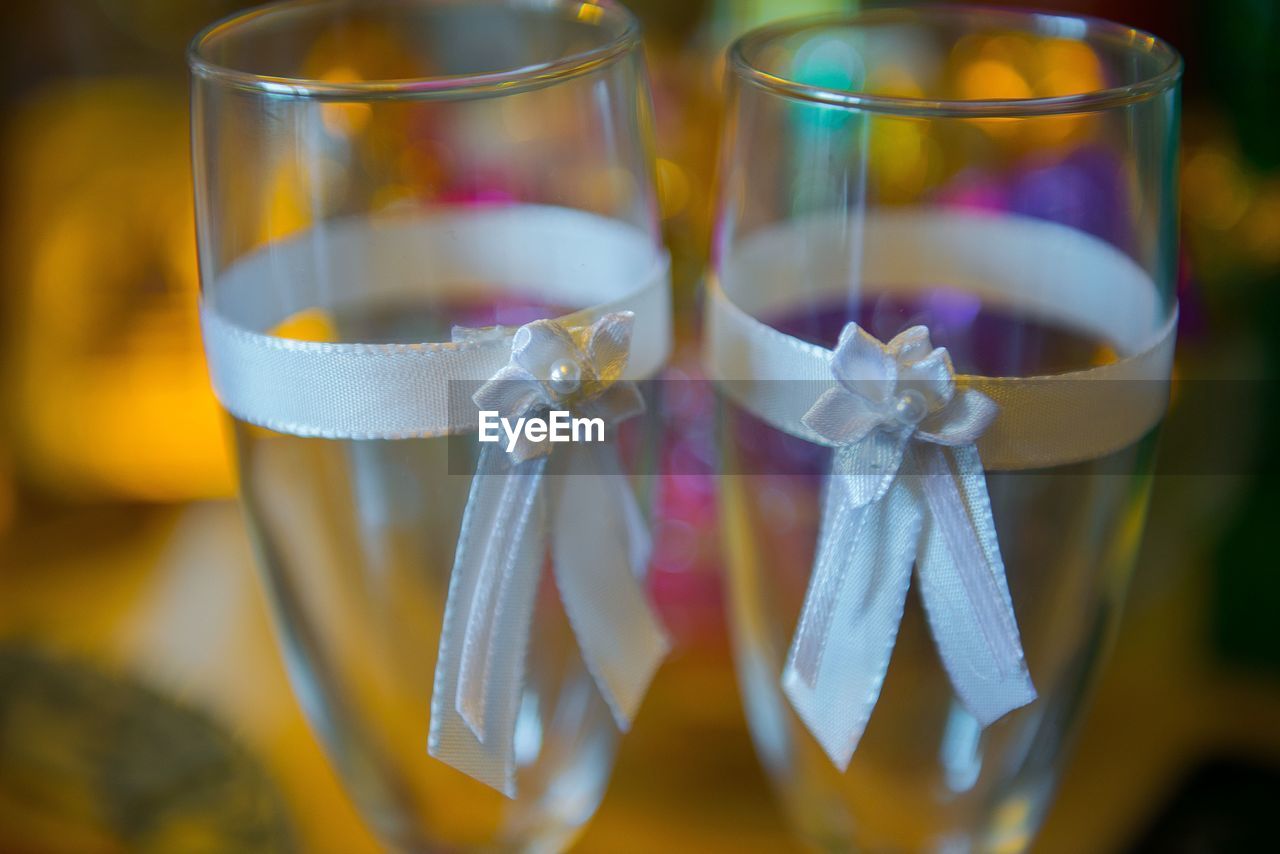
pixel 893 81
pixel 1262 227
pixel 1069 68
pixel 992 79
pixel 1217 195
pixel 287 210
pixel 1017 67
pixel 312 324
pixel 673 188
pixel 900 155
pixel 109 388
pixel 344 119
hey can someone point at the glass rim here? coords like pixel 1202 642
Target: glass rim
pixel 1082 28
pixel 502 82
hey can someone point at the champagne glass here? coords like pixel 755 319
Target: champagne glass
pixel 1006 181
pixel 410 177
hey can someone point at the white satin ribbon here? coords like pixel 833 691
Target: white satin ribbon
pixel 907 485
pixel 1023 266
pixel 554 256
pixel 358 391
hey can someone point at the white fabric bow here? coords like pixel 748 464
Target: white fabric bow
pixel 395 391
pixel 907 484
pixel 599 541
pixel 566 367
pixel 888 395
pixel 906 487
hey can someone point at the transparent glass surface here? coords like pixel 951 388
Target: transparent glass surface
pixel 305 115
pixel 998 113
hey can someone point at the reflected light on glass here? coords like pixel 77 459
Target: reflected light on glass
pixel 590 13
pixel 961 761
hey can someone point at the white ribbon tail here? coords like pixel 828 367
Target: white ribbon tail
pixel 963 585
pixel 842 524
pixel 503 552
pixel 849 621
pixel 595 546
pixel 480 664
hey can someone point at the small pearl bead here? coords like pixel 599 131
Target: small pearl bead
pixel 566 376
pixel 910 407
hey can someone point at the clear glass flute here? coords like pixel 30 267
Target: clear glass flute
pixel 309 116
pixel 987 116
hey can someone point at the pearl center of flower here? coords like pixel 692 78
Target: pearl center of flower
pixel 565 377
pixel 910 408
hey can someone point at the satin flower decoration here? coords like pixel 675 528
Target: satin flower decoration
pixel 554 366
pixel 887 395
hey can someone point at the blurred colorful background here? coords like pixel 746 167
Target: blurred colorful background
pixel 143 703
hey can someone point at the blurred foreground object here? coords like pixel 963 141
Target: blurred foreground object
pixel 142 705
pixel 90 761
